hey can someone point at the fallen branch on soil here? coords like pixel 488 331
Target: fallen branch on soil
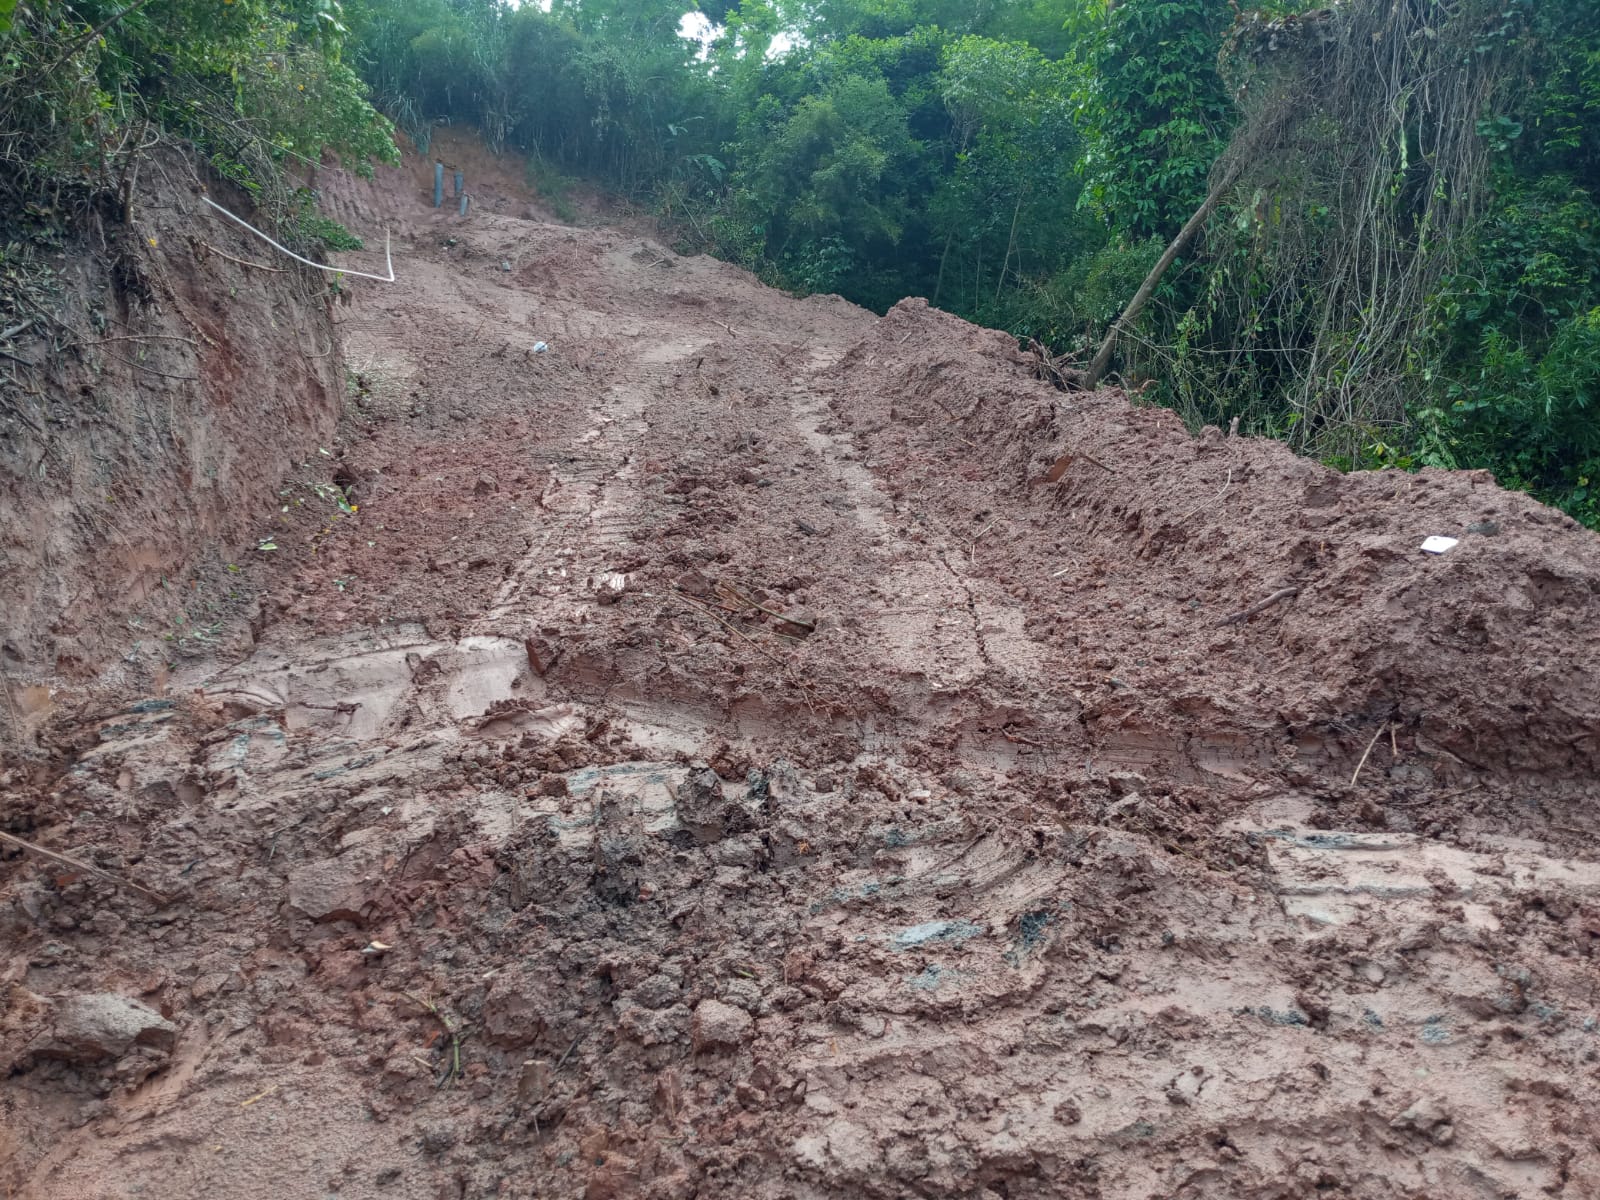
pixel 1018 739
pixel 243 262
pixel 1365 756
pixel 66 861
pixel 951 413
pixel 978 537
pixel 1058 469
pixel 139 366
pixel 948 411
pixel 1275 598
pixel 1430 797
pixel 258 1097
pixel 1217 499
pixel 135 337
pixel 453 1067
pixel 798 622
pixel 731 628
pixel 1054 369
pixel 1097 369
pixel 787 668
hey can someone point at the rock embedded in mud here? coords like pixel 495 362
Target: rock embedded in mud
pixel 514 1012
pixel 843 1149
pixel 22 1015
pixel 336 889
pixel 935 931
pixel 742 852
pixel 719 1026
pixel 743 993
pixel 437 1140
pixel 650 1027
pixel 705 813
pixel 656 991
pixel 104 1025
pixel 1430 1117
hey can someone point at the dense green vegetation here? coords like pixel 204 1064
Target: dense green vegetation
pixel 87 89
pixel 1398 267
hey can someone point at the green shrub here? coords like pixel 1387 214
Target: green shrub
pixel 254 84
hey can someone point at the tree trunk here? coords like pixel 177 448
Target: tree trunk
pixel 943 258
pixel 1102 360
pixel 1011 241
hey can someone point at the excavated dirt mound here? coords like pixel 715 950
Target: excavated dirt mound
pixel 748 748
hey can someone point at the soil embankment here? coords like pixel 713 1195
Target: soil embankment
pixel 155 400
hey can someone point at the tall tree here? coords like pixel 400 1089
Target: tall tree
pixel 1153 107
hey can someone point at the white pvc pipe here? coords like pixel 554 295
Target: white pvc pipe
pixel 388 260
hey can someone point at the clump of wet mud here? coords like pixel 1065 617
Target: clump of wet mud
pixel 1155 555
pixel 752 748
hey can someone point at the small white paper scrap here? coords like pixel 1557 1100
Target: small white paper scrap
pixel 1438 545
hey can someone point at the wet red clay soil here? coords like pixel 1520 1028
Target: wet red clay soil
pixel 750 748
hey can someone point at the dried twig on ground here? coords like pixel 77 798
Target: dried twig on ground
pixel 243 262
pixel 1058 469
pixel 453 1067
pixel 1053 369
pixel 1277 596
pixel 139 366
pixel 731 628
pixel 951 413
pixel 787 668
pixel 259 1096
pixel 744 600
pixel 972 546
pixel 76 865
pixel 1357 774
pixel 135 337
pixel 1217 499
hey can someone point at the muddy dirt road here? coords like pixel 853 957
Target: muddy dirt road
pixel 750 748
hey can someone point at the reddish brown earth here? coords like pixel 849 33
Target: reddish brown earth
pixel 147 416
pixel 755 749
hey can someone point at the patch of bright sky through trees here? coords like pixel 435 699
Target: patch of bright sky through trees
pixel 697 27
